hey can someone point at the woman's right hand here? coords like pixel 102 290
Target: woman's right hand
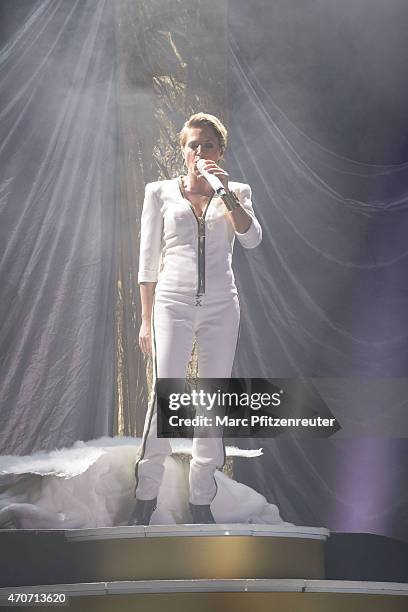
pixel 145 337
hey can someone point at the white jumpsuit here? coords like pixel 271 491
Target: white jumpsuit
pixel 195 296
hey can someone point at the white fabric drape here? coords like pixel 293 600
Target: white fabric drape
pixel 57 226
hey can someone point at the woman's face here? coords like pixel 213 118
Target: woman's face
pixel 200 143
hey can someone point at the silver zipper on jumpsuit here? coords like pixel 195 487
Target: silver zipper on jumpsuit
pixel 200 244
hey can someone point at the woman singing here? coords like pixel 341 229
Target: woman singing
pixel 194 295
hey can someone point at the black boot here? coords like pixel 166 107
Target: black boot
pixel 202 515
pixel 142 511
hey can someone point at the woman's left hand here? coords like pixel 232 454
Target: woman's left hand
pixel 213 168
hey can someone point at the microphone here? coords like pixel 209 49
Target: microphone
pixel 211 178
pixel 229 198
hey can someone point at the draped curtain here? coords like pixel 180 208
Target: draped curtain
pixel 317 99
pixel 58 218
pixel 94 93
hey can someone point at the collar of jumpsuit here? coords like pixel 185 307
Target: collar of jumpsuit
pixel 187 253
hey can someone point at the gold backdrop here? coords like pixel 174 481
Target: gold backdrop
pixel 172 62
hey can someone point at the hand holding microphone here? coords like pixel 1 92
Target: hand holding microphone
pixel 229 198
pixel 213 179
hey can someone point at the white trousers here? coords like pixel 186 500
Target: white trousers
pixel 177 319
